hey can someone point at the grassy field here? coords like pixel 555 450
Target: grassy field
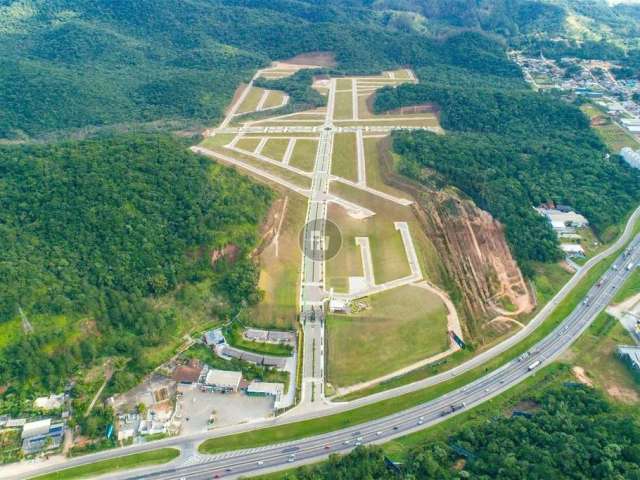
pixel 372 166
pixel 127 462
pixel 344 161
pixel 251 100
pixel 353 417
pixel 630 287
pixel 219 140
pixel 611 133
pixel 248 144
pixel 396 121
pixel 275 148
pixel 274 99
pixel 594 352
pixel 279 271
pixel 343 108
pixel 292 177
pixel 402 326
pixel 304 154
pixel 389 256
pixel 343 84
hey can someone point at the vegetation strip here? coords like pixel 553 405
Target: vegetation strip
pixel 297 430
pixel 128 462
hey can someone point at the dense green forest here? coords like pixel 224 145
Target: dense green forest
pixel 180 62
pixel 92 229
pixel 572 433
pixel 509 149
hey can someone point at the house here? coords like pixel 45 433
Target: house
pixel 223 380
pixel 338 305
pixel 214 337
pixel 52 402
pixel 188 374
pixel 572 249
pixel 41 435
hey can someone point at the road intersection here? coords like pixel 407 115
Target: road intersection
pixel 313 295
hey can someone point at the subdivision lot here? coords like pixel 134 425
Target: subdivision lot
pixel 248 144
pixel 251 100
pixel 304 154
pixel 287 175
pixel 343 84
pixel 343 109
pixel 402 326
pixel 344 161
pixel 275 148
pixel 274 99
pixel 373 170
pixel 279 271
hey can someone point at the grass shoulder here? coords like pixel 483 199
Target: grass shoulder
pixel 128 462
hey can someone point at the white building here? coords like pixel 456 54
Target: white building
pixel 572 249
pixel 223 380
pixel 338 305
pixel 630 156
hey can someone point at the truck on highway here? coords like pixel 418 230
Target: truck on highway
pixel 534 365
pixel 452 408
pixel 630 266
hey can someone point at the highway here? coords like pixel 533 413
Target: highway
pixel 252 461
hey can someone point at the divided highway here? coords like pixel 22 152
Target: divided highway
pixel 274 457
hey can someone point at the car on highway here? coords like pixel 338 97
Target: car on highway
pixel 260 463
pixel 291 459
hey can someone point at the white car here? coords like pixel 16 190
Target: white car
pixel 260 463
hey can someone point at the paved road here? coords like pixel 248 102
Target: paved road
pixel 243 462
pixel 407 421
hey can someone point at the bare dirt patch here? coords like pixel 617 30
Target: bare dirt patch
pixel 582 376
pixel 624 395
pixel 322 59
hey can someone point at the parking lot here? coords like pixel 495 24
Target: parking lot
pixel 228 409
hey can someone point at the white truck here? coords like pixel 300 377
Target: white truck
pixel 534 365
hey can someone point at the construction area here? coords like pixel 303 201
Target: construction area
pixel 350 295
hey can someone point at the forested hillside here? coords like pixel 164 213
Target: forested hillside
pixel 77 65
pixel 573 433
pixel 92 229
pixel 509 149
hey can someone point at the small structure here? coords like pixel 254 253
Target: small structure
pixel 52 402
pixel 41 435
pixel 188 374
pixel 572 249
pixel 563 221
pixel 630 354
pixel 223 380
pixel 214 337
pixel 338 305
pixel 632 157
pixel 266 389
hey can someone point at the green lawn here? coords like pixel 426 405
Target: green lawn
pixel 307 428
pixel 292 177
pixel 304 154
pixel 219 140
pixel 274 99
pixel 373 171
pixel 402 326
pixel 275 148
pixel 343 109
pixel 154 457
pixel 280 274
pixel 387 249
pixel 251 100
pixel 630 287
pixel 344 161
pixel 248 144
pixel 343 84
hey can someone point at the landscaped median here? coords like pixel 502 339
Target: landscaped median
pixel 297 430
pixel 128 462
